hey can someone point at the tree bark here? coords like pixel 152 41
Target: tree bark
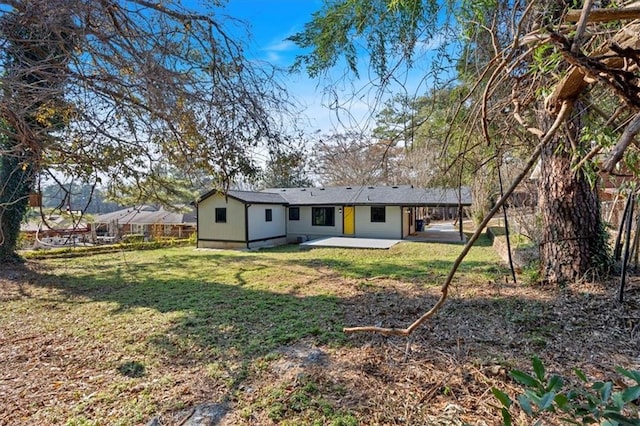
pixel 16 180
pixel 573 241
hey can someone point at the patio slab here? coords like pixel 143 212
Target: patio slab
pixel 346 242
pixel 439 232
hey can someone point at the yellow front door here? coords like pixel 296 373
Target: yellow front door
pixel 349 220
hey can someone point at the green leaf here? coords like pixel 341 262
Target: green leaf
pixel 546 401
pixel 605 392
pixel 561 400
pixel 502 397
pixel 538 368
pixel 618 400
pixel 523 378
pixel 506 417
pixel 632 374
pixel 618 419
pixel 631 394
pixel 555 384
pixel 580 375
pixel 524 403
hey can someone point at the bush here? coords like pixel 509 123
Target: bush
pixel 85 251
pixel 133 238
pixel 588 403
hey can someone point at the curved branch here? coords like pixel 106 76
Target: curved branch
pixel 627 137
pixel 562 115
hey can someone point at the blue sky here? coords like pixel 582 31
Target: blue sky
pixel 271 22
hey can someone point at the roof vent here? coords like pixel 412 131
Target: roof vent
pixel 283 190
pixel 321 189
pixel 371 187
pixel 395 187
pixel 348 187
pixel 303 189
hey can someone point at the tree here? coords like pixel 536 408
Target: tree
pixel 286 168
pixel 353 159
pixel 542 41
pixel 76 196
pixel 106 90
pixel 511 70
pixel 439 151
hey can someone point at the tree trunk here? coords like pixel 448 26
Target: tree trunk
pixel 573 238
pixel 17 179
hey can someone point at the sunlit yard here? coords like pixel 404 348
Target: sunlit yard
pixel 128 337
pixel 119 338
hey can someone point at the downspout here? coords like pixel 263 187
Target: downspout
pixel 246 224
pixel 401 223
pixel 286 222
pixel 197 224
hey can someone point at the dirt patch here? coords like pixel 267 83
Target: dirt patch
pixel 443 375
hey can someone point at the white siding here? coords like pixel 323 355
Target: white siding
pixel 303 228
pixel 259 228
pixel 390 228
pixel 232 230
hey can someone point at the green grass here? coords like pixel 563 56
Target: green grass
pixel 145 320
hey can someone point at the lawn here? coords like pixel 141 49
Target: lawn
pixel 130 337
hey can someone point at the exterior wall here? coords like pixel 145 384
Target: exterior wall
pixel 233 231
pixel 364 228
pixel 268 243
pixel 304 229
pixel 221 244
pixel 390 228
pixel 259 228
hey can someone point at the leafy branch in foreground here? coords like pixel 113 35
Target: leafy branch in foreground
pixel 588 403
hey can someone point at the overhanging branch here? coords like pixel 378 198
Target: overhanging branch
pixel 566 108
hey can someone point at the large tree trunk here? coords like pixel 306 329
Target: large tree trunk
pixel 573 240
pixel 16 179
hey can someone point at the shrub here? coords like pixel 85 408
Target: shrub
pixel 589 403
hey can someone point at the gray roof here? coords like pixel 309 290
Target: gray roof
pixel 147 215
pixel 248 196
pixel 404 195
pixel 258 197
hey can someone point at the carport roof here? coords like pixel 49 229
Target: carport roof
pixel 405 195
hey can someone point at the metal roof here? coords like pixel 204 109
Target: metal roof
pixel 404 195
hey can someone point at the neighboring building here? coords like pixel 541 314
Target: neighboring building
pixel 55 230
pixel 145 220
pixel 279 215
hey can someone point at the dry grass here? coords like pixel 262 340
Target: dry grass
pixel 124 338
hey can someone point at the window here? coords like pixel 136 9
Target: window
pixel 323 216
pixel 294 213
pixel 221 215
pixel 268 215
pixel 378 214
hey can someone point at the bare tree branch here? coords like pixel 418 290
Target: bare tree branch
pixel 561 117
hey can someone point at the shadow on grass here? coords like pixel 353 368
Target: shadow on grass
pixel 218 320
pixel 215 320
pixel 424 271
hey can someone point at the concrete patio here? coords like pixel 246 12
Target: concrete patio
pixel 346 242
pixel 439 232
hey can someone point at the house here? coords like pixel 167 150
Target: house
pixel 55 230
pixel 277 216
pixel 145 220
